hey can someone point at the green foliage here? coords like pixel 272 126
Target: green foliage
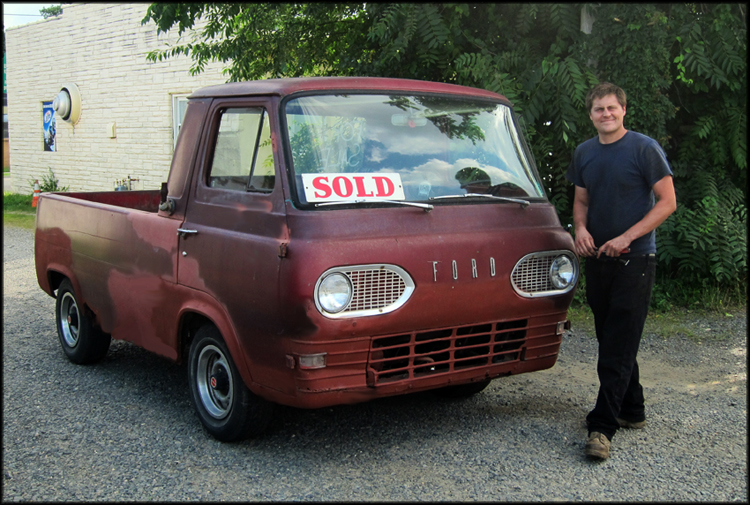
pixel 16 202
pixel 631 47
pixel 260 40
pixel 671 293
pixel 20 219
pixel 52 10
pixel 17 211
pixel 49 183
pixel 706 241
pixel 704 244
pixel 684 67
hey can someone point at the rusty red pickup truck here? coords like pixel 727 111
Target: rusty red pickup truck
pixel 320 241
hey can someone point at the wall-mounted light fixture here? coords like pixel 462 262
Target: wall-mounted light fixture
pixel 67 103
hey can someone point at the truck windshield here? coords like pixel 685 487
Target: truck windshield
pixel 411 148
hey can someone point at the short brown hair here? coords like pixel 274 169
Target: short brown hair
pixel 603 89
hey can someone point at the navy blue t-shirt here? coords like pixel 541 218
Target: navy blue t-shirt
pixel 619 178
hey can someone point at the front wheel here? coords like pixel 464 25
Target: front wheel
pixel 225 406
pixel 82 342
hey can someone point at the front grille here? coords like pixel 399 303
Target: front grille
pixel 420 354
pixel 532 275
pixel 374 289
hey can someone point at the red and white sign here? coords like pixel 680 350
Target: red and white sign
pixel 345 187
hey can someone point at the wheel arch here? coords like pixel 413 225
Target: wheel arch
pixel 190 323
pixel 53 277
pixel 193 317
pixel 56 276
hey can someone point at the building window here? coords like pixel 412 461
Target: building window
pixel 179 106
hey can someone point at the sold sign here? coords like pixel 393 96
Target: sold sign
pixel 343 187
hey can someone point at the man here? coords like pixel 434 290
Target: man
pixel 623 192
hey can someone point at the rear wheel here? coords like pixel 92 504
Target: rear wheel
pixel 225 406
pixel 463 390
pixel 82 342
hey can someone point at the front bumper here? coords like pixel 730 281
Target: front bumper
pixel 363 368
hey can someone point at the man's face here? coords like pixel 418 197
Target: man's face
pixel 607 114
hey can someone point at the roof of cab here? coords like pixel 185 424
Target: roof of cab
pixel 282 87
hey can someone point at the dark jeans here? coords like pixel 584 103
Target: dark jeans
pixel 619 294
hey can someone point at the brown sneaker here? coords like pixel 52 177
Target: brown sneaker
pixel 631 425
pixel 597 446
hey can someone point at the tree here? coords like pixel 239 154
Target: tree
pixel 265 39
pixel 683 66
pixel 52 10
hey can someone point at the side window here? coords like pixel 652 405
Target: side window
pixel 243 156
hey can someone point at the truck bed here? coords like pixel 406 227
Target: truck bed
pixel 121 257
pixel 147 201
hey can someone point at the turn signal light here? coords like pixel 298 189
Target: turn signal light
pixel 312 361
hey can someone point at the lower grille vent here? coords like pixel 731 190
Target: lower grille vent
pixel 420 354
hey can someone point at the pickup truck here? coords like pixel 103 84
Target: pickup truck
pixel 320 241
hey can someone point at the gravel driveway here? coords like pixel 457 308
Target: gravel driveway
pixel 124 429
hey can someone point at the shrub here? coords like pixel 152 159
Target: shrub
pixel 49 183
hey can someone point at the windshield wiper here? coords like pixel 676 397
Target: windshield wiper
pixel 425 206
pixel 524 203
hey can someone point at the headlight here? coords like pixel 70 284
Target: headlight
pixel 335 292
pixel 562 272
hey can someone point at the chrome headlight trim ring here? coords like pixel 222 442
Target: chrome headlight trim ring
pixel 377 289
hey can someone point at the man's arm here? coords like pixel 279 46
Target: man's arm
pixel 665 206
pixel 584 241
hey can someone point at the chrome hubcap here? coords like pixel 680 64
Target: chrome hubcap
pixel 69 320
pixel 215 386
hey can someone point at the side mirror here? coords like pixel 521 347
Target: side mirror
pixel 166 204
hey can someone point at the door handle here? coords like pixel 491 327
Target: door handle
pixel 185 231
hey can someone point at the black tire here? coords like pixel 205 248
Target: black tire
pixel 463 390
pixel 81 341
pixel 226 407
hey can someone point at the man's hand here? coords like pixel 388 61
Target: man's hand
pixel 615 247
pixel 584 243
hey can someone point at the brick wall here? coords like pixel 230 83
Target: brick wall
pixel 102 49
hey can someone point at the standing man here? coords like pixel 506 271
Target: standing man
pixel 623 192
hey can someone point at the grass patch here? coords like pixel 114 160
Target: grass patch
pixel 697 325
pixel 19 219
pixel 581 318
pixel 671 324
pixel 6 170
pixel 14 202
pixel 17 210
pixel 671 294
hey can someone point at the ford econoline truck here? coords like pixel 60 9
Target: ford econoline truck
pixel 320 241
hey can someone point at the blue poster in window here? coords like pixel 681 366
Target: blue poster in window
pixel 49 126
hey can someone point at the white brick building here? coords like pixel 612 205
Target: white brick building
pixel 102 49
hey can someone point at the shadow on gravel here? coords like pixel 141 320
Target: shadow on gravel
pixel 151 386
